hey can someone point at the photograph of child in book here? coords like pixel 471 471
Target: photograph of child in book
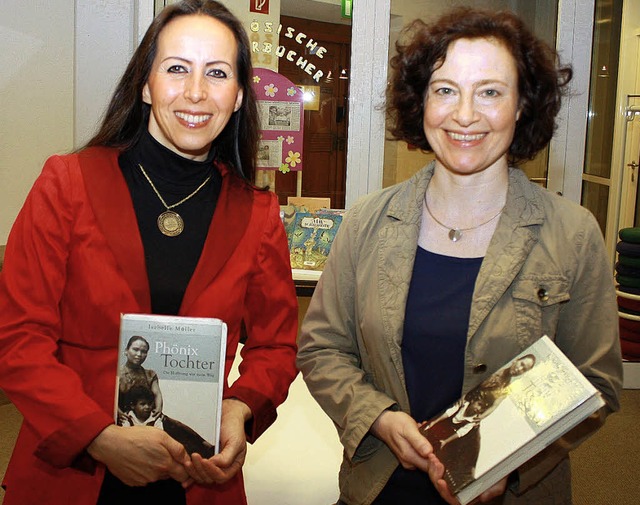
pixel 141 404
pixel 140 400
pixel 455 434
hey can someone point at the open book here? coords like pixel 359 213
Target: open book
pixel 515 413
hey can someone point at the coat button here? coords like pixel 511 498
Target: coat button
pixel 543 295
pixel 481 368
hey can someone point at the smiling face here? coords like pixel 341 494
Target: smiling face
pixel 192 87
pixel 471 106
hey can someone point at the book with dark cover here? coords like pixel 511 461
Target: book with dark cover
pixel 310 238
pixel 511 416
pixel 171 375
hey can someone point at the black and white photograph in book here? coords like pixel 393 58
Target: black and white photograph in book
pixel 509 417
pixel 455 434
pixel 178 388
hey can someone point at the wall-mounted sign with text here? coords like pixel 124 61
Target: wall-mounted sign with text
pixel 303 50
pixel 347 8
pixel 259 6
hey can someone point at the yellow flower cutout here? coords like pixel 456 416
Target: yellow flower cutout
pixel 270 90
pixel 284 168
pixel 256 79
pixel 293 159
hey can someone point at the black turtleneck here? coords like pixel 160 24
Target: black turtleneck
pixel 170 261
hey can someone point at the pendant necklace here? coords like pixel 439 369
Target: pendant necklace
pixel 169 222
pixel 455 234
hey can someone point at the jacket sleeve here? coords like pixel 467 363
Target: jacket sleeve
pixel 329 353
pixel 271 319
pixel 588 334
pixel 49 394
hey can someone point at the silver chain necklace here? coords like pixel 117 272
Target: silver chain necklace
pixel 169 222
pixel 455 234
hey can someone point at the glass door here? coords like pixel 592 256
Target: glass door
pixel 629 203
pixel 597 174
pixel 622 203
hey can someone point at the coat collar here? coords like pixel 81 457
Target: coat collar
pixel 111 202
pixel 515 235
pixel 397 243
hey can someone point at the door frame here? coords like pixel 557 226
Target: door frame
pixel 366 143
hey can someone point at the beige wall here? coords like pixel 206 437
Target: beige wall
pixel 36 94
pixel 60 61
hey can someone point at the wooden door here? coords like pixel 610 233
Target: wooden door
pixel 325 129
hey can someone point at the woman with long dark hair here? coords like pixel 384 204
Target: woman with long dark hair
pixel 157 214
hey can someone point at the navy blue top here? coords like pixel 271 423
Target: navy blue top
pixel 433 346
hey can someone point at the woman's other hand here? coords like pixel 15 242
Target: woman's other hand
pixel 233 442
pixel 139 455
pixel 436 474
pixel 400 432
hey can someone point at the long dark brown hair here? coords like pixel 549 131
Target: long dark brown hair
pixel 127 115
pixel 541 80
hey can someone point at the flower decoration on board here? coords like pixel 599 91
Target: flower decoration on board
pixel 281 106
pixel 293 159
pixel 270 90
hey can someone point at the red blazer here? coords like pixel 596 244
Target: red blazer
pixel 74 262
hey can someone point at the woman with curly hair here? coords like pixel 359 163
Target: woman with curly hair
pixel 436 282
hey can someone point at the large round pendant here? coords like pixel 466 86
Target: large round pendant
pixel 454 235
pixel 170 223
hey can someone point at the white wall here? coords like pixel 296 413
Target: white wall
pixel 60 61
pixel 36 94
pixel 105 38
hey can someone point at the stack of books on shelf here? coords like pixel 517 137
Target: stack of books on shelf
pixel 628 279
pixel 310 231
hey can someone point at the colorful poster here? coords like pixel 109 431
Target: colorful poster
pixel 281 110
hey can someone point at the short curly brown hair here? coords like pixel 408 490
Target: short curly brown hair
pixel 541 80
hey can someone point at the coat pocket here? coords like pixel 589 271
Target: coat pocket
pixel 537 302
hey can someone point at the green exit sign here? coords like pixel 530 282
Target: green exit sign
pixel 347 8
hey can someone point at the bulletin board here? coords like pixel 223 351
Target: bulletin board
pixel 281 111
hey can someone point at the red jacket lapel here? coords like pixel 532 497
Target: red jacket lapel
pixel 228 226
pixel 111 203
